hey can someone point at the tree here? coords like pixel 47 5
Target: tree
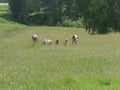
pixel 39 12
pixel 18 8
pixel 3 1
pixel 49 11
pixel 100 15
pixel 114 14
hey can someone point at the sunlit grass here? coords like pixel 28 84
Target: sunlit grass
pixel 91 65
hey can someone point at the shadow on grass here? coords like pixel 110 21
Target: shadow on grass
pixel 7 16
pixel 105 82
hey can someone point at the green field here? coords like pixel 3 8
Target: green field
pixel 93 64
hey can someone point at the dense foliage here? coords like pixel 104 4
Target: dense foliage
pixel 101 16
pixel 41 12
pixel 18 8
pixel 98 16
pixel 3 1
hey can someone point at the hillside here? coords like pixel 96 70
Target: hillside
pixel 7 23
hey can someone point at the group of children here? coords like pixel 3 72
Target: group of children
pixel 57 42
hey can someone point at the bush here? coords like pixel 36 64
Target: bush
pixel 38 18
pixel 71 23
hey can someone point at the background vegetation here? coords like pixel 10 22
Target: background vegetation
pixel 43 12
pixel 98 16
pixel 3 1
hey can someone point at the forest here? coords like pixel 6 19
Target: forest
pixel 97 16
pixel 3 1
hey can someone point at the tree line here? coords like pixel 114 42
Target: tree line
pixel 97 16
pixel 3 1
pixel 48 12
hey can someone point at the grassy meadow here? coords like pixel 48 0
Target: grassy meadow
pixel 93 64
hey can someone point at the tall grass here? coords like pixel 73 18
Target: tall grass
pixel 93 64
